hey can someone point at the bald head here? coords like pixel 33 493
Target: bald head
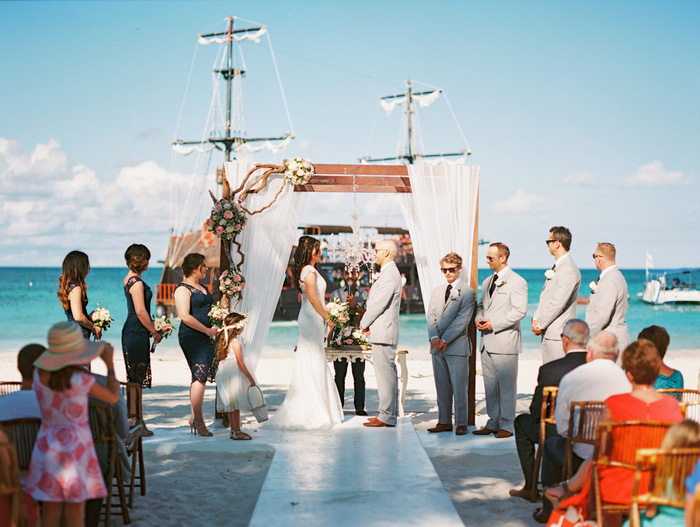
pixel 386 251
pixel 603 346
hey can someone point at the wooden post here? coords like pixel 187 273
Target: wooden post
pixel 474 284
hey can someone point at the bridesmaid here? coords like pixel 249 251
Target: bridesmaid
pixel 193 302
pixel 138 326
pixel 72 292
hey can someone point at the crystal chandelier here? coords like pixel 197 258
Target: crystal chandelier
pixel 355 250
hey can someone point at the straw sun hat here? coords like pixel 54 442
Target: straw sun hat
pixel 67 347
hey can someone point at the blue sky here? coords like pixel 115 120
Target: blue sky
pixel 584 114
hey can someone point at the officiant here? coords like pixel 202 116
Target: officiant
pixel 356 298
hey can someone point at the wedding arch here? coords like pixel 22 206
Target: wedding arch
pixel 439 203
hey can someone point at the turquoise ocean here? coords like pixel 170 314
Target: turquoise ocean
pixel 29 306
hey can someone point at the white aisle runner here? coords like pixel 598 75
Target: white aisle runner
pixel 353 476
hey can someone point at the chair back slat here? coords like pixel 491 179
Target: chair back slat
pixel 682 395
pixel 23 433
pixel 549 403
pixel 583 419
pixel 691 410
pixel 7 387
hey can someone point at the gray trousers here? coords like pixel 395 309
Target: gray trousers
pixel 387 381
pixel 551 350
pixel 451 374
pixel 500 373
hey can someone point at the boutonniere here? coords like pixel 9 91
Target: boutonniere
pixel 459 292
pixel 593 285
pixel 501 283
pixel 549 273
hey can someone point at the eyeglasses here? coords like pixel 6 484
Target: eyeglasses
pixel 446 270
pixel 597 256
pixel 549 241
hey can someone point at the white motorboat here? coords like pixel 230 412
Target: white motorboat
pixel 671 287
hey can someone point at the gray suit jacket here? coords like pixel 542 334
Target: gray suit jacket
pixel 607 307
pixel 505 310
pixel 558 299
pixel 449 320
pixel 383 307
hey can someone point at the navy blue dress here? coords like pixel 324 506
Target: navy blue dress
pixel 69 314
pixel 135 338
pixel 197 346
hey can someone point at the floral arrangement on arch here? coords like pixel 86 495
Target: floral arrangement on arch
pixel 232 282
pixel 298 171
pixel 227 219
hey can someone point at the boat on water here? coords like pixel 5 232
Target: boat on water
pixel 671 287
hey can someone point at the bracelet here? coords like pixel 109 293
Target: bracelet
pixel 111 372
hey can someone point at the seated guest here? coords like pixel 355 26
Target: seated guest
pixel 596 380
pixel 23 404
pixel 691 485
pixel 641 363
pixel 527 426
pixel 668 377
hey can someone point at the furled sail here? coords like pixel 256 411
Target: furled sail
pixel 423 100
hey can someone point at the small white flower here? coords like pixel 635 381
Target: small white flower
pixel 549 274
pixel 593 285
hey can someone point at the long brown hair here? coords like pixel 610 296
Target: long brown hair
pixel 302 257
pixel 222 343
pixel 76 266
pixel 60 380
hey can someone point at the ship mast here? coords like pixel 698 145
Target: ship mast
pixel 229 142
pixel 410 157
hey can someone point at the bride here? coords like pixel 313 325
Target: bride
pixel 312 400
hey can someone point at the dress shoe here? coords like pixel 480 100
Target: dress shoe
pixel 377 424
pixel 360 412
pixel 502 434
pixel 540 516
pixel 461 431
pixel 522 493
pixel 372 419
pixel 440 428
pixel 483 432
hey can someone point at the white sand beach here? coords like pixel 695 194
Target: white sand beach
pixel 215 481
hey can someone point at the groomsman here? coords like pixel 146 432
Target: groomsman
pixel 356 298
pixel 449 312
pixel 381 323
pixel 559 295
pixel 607 305
pixel 503 305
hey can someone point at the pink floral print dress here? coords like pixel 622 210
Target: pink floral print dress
pixel 64 465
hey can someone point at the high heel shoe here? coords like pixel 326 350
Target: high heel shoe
pixel 197 427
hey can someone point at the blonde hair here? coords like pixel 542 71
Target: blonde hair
pixel 685 434
pixel 451 258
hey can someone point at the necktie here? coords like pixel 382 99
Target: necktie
pixel 447 292
pixel 492 287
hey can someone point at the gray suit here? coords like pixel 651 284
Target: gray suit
pixel 607 306
pixel 500 347
pixel 449 321
pixel 382 319
pixel 557 306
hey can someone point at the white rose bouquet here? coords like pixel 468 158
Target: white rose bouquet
pixel 226 219
pixel 101 317
pixel 164 327
pixel 349 336
pixel 298 171
pixel 338 312
pixel 231 282
pixel 217 314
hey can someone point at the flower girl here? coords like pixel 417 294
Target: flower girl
pixel 232 375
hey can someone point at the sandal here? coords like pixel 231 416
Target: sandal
pixel 196 427
pixel 556 500
pixel 237 435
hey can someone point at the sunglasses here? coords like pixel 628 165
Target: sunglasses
pixel 549 241
pixel 446 270
pixel 597 256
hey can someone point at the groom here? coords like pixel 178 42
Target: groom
pixel 381 323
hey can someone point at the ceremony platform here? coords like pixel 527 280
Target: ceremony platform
pixel 353 475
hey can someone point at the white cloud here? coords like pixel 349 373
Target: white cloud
pixel 521 201
pixel 655 175
pixel 581 179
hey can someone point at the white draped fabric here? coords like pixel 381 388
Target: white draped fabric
pixel 441 215
pixel 266 241
pixel 423 100
pixel 253 37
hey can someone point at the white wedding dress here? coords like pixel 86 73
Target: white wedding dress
pixel 312 399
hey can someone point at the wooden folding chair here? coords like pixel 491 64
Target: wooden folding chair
pixel 666 471
pixel 102 427
pixel 22 433
pixel 10 485
pixel 583 419
pixel 616 446
pixel 134 408
pixel 696 508
pixel 691 411
pixel 549 402
pixel 683 396
pixel 9 387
